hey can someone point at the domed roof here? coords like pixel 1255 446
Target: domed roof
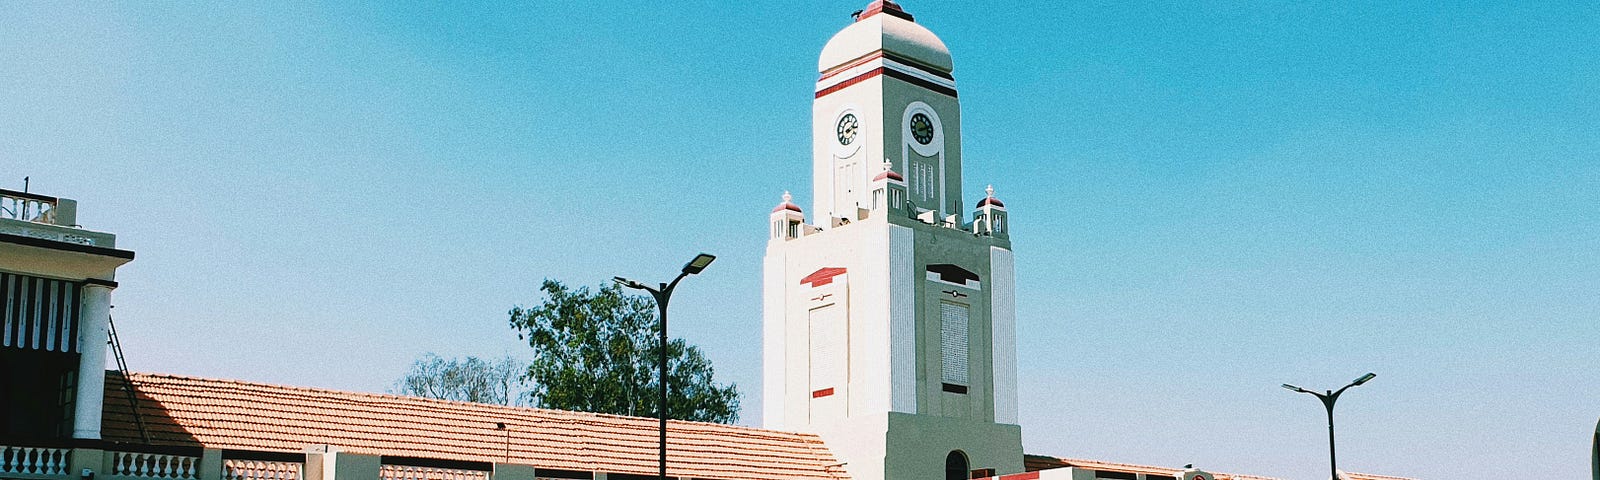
pixel 787 204
pixel 884 26
pixel 989 199
pixel 889 173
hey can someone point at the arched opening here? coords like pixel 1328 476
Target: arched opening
pixel 955 466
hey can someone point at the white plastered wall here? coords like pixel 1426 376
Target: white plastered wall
pixel 773 341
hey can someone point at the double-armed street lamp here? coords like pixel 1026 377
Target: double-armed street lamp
pixel 663 294
pixel 1327 401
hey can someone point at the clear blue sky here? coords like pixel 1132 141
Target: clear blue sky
pixel 1209 199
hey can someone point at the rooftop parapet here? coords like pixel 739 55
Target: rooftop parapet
pixel 47 218
pixel 32 207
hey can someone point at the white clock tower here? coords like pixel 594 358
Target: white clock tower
pixel 889 322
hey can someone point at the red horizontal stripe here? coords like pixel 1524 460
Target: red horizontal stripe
pixel 876 54
pixel 822 393
pixel 851 64
pixel 859 78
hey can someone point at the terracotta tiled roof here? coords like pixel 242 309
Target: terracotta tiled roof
pixel 1034 463
pixel 1369 476
pixel 1042 462
pixel 229 414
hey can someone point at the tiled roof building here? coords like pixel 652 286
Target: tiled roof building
pixel 233 415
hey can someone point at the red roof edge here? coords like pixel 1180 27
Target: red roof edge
pixel 886 7
pixel 822 276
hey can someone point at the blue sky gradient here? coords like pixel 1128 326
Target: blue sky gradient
pixel 1209 199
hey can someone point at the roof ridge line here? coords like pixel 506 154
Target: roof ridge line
pixel 571 415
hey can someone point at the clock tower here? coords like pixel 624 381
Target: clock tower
pixel 888 318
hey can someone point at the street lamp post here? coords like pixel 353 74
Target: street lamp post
pixel 1327 401
pixel 663 294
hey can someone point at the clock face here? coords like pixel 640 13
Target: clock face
pixel 921 128
pixel 847 128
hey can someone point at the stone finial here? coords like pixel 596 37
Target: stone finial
pixel 787 197
pixel 990 191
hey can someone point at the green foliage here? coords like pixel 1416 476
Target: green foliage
pixel 467 380
pixel 597 351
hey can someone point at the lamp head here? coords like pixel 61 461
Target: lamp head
pixel 628 283
pixel 698 264
pixel 1294 388
pixel 1364 378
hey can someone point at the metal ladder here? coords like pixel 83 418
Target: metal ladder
pixel 127 381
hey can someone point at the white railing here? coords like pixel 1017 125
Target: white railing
pixel 261 470
pixel 27 207
pixel 154 465
pixel 34 460
pixel 407 472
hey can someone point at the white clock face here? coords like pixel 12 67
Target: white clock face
pixel 850 131
pixel 847 128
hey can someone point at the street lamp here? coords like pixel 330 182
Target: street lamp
pixel 663 294
pixel 1327 401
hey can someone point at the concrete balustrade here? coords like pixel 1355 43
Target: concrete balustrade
pixel 262 470
pixel 155 465
pixel 35 462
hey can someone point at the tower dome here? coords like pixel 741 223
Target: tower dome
pixel 883 25
pixel 787 204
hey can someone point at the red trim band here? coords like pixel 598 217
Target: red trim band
pixel 859 78
pixel 897 75
pixel 885 54
pixel 851 64
pixel 822 393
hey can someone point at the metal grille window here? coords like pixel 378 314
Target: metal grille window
pixel 953 342
pixel 38 313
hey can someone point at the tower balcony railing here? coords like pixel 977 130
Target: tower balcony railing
pixel 28 207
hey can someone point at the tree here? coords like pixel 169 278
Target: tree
pixel 598 351
pixel 468 380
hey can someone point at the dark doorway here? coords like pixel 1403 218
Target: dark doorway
pixel 36 394
pixel 956 466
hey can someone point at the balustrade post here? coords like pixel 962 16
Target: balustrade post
pixel 326 462
pixel 506 471
pixel 210 464
pixel 91 459
pixel 320 462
